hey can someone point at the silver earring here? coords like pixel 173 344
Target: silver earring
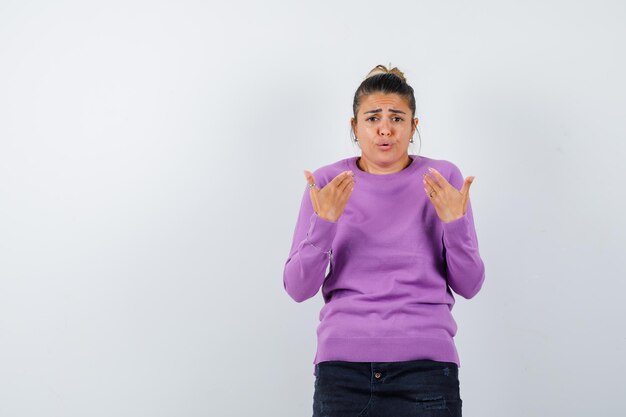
pixel 418 135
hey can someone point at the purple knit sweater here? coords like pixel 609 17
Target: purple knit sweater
pixel 393 264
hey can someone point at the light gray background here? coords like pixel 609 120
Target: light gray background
pixel 151 157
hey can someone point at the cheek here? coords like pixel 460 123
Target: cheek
pixel 365 133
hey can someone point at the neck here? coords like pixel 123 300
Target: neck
pixel 372 168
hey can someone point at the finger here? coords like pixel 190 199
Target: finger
pixel 430 193
pixel 313 190
pixel 341 178
pixel 338 178
pixel 441 180
pixel 345 195
pixel 345 184
pixel 310 179
pixel 430 184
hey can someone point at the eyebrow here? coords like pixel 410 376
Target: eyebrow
pixel 379 110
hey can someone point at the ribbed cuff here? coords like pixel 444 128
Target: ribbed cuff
pixel 321 233
pixel 457 231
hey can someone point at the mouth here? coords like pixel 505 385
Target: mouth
pixel 383 146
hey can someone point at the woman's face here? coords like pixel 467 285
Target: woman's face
pixel 383 128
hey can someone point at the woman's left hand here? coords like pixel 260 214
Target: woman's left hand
pixel 449 202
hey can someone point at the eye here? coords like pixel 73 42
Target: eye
pixel 371 118
pixel 398 119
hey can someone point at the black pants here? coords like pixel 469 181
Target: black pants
pixel 420 388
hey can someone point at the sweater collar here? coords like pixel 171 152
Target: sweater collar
pixel 406 172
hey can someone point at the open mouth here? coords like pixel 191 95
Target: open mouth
pixel 384 145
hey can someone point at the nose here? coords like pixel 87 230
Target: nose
pixel 385 129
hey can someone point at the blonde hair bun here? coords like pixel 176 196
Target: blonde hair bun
pixel 381 69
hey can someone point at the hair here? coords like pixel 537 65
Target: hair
pixel 385 81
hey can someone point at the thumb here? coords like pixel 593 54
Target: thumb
pixel 466 185
pixel 465 192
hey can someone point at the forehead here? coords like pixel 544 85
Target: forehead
pixel 384 102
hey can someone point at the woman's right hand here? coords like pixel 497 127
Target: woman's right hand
pixel 330 201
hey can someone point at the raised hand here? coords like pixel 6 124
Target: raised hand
pixel 449 202
pixel 330 201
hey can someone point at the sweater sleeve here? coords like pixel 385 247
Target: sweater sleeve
pixel 465 268
pixel 311 249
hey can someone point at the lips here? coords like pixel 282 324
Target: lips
pixel 384 146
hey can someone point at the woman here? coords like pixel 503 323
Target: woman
pixel 397 234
